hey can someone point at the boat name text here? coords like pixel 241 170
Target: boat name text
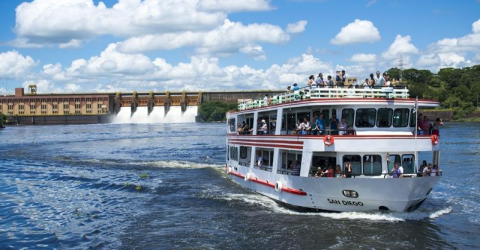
pixel 346 203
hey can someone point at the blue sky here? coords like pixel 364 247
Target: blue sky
pixel 125 45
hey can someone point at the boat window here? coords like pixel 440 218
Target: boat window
pixel 412 119
pixel 391 160
pixel 243 152
pixel 234 153
pixel 348 114
pixel 365 118
pixel 372 164
pixel 284 122
pixel 245 156
pixel 287 159
pixel 408 163
pixel 400 118
pixel 384 117
pixel 322 161
pixel 267 159
pixel 291 121
pixel 356 161
pixel 231 125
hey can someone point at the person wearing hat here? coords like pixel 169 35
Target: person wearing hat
pixel 295 87
pixel 263 127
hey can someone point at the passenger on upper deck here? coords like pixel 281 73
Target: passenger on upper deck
pixel 340 79
pixel 301 126
pixel 379 80
pixel 342 127
pixel 387 82
pixel 366 84
pixel 308 128
pixel 311 81
pixel 315 130
pixel 334 124
pixel 371 82
pixel 436 126
pixel 320 122
pixel 426 125
pixel 419 124
pixel 263 128
pixel 330 82
pixel 295 87
pixel 319 82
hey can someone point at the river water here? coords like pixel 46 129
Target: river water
pixel 162 186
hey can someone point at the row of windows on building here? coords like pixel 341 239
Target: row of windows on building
pixel 55 110
pixel 368 164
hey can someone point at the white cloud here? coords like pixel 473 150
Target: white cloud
pixel 363 58
pixel 226 39
pixel 434 62
pixel 15 65
pixel 400 47
pixel 74 43
pixel 298 27
pixel 371 2
pixel 43 86
pixel 234 6
pixel 360 31
pixel 476 26
pixel 58 22
pixel 254 51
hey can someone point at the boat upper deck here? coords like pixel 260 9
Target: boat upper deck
pixel 333 94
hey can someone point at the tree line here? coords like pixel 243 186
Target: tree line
pixel 456 89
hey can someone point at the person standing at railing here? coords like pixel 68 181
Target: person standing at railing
pixel 330 82
pixel 319 82
pixel 295 87
pixel 342 127
pixel 340 79
pixel 334 124
pixel 379 80
pixel 366 84
pixel 311 81
pixel 436 126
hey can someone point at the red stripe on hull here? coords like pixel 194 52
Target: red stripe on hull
pixel 271 185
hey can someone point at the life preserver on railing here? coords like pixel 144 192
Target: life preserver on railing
pixel 247 177
pixel 278 186
pixel 434 139
pixel 328 140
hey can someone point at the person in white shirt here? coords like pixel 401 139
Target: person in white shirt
pixel 379 80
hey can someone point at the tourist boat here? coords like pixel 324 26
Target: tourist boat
pixel 382 132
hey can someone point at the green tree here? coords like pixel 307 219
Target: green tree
pixel 214 111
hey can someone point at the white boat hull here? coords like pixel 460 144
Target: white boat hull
pixel 399 194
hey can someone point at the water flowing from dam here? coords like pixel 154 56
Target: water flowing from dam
pixel 175 115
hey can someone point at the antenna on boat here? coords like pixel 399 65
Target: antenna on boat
pixel 415 111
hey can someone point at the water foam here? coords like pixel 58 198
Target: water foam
pixel 270 204
pixel 175 115
pixel 178 164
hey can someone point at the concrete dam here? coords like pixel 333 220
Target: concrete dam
pixel 126 107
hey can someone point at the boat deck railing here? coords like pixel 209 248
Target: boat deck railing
pixel 400 92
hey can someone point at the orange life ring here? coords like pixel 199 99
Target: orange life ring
pixel 328 140
pixel 434 139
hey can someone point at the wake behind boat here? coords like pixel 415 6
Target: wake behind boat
pixel 372 149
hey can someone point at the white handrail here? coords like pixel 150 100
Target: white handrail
pixel 321 93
